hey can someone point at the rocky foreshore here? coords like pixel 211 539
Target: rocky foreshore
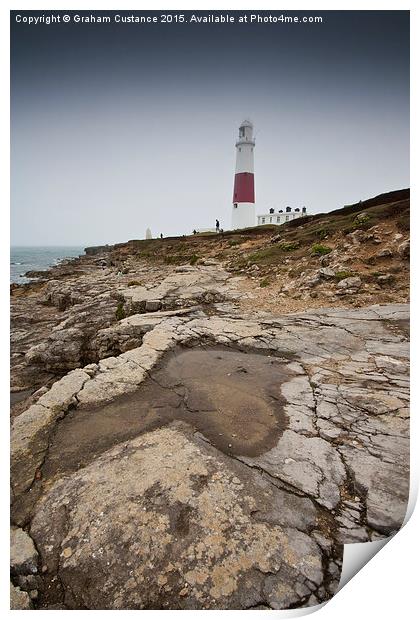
pixel 176 445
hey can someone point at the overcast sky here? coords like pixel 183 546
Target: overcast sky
pixel 117 128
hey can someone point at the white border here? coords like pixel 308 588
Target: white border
pixel 387 586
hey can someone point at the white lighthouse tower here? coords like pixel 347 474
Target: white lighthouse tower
pixel 243 211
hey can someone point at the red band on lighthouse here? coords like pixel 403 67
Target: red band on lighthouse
pixel 243 190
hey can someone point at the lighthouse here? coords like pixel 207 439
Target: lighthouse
pixel 243 210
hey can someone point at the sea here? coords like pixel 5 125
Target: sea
pixel 26 258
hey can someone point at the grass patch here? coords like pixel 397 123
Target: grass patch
pixel 320 250
pixel 321 233
pixel 288 246
pixel 193 259
pixel 265 282
pixel 361 219
pixel 272 254
pixel 134 283
pixel 176 259
pixel 120 312
pixel 342 275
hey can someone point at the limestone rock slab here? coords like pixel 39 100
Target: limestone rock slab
pixel 19 599
pixel 309 464
pixel 166 521
pixel 23 555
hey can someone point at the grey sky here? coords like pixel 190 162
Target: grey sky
pixel 116 128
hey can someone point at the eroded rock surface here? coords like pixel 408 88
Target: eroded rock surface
pixel 166 521
pixel 19 599
pixel 101 461
pixel 204 284
pixel 23 555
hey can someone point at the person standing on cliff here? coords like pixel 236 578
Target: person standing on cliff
pixel 217 225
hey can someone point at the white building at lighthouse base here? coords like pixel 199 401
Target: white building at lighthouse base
pixel 279 218
pixel 243 215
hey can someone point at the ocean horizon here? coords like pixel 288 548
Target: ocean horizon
pixel 24 258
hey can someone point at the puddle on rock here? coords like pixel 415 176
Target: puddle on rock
pixel 17 397
pixel 233 398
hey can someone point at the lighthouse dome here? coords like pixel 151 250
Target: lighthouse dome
pixel 246 123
